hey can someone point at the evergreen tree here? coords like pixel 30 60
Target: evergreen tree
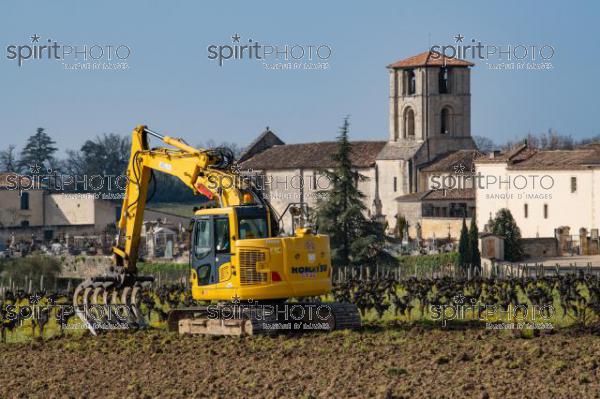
pixel 354 239
pixel 368 248
pixel 38 152
pixel 505 226
pixel 475 255
pixel 464 256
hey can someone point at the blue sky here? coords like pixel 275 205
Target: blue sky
pixel 173 86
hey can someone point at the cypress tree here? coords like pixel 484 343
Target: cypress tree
pixel 475 255
pixel 464 256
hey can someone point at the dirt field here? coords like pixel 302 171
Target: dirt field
pixel 388 363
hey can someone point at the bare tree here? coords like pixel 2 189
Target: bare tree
pixel 8 160
pixel 484 144
pixel 550 140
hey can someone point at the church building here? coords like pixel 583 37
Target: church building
pixel 429 128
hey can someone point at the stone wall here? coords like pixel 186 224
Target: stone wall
pixel 540 247
pixel 84 266
pixel 440 227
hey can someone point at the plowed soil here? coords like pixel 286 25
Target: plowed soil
pixel 377 362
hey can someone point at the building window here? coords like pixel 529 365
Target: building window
pixel 24 223
pixel 526 210
pixel 445 121
pixel 24 200
pixel 410 81
pixel 573 184
pixel 409 123
pixel 395 184
pixel 545 211
pixel 444 80
pixel 458 210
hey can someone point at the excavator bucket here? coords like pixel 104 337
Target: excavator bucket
pixel 110 303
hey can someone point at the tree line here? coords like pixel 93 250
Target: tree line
pixel 550 140
pixel 105 155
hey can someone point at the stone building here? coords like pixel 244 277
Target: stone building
pixel 429 119
pixel 290 173
pixel 44 214
pixel 544 190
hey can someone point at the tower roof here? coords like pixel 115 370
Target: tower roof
pixel 429 59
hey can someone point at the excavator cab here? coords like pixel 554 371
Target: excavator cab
pixel 213 236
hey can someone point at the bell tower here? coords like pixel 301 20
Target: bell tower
pixel 430 100
pixel 430 115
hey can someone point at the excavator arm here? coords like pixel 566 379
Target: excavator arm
pixel 199 169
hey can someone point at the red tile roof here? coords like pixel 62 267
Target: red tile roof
pixel 429 59
pixel 313 155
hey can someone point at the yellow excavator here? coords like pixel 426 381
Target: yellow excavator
pixel 241 265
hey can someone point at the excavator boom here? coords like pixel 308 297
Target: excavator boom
pixel 201 170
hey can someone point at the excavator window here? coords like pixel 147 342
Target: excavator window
pixel 253 228
pixel 222 235
pixel 202 244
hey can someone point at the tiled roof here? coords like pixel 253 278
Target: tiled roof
pixel 399 150
pixel 453 194
pixel 262 142
pixel 429 59
pixel 313 155
pixel 465 194
pixel 452 161
pixel 559 159
pixel 525 158
pixel 412 197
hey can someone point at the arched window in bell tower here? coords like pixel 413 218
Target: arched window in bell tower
pixel 410 82
pixel 409 123
pixel 444 80
pixel 445 117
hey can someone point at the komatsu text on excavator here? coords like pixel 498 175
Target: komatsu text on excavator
pixel 240 264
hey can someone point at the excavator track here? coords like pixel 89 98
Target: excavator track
pixel 264 319
pixel 110 303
